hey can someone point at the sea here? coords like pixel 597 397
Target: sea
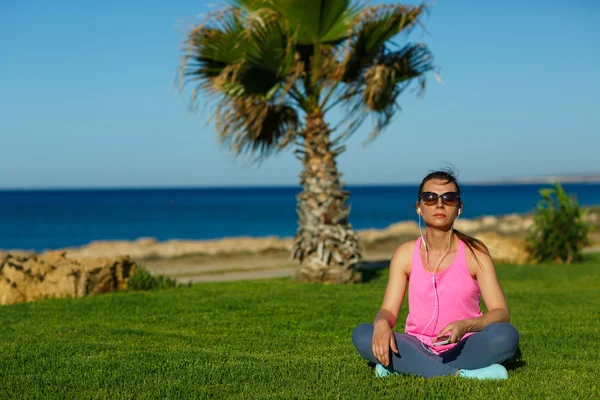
pixel 39 220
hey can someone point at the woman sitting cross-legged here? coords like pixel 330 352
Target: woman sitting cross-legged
pixel 446 272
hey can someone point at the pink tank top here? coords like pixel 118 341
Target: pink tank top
pixel 458 297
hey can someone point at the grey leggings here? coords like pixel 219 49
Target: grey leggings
pixel 495 344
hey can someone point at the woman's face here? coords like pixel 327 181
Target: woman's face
pixel 439 214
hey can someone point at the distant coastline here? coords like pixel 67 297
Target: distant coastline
pixel 517 181
pixel 579 178
pixel 592 178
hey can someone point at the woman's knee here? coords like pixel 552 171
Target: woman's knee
pixel 362 336
pixel 505 337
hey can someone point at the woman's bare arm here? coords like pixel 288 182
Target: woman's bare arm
pixel 491 292
pixel 383 336
pixel 396 287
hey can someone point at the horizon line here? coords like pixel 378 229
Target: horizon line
pixel 519 181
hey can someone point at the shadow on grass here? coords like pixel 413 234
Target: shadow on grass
pixel 516 361
pixel 372 270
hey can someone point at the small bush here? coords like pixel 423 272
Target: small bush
pixel 560 231
pixel 143 280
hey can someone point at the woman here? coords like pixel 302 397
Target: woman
pixel 448 271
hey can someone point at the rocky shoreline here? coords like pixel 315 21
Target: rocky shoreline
pixel 497 229
pixel 105 266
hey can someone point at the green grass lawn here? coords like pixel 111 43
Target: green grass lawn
pixel 281 339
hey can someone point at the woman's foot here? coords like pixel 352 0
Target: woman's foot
pixel 381 371
pixel 494 371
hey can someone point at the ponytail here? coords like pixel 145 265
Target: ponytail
pixel 473 243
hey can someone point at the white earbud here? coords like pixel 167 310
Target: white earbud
pixel 433 283
pixel 421 232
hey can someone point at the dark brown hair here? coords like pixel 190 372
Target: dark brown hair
pixel 449 176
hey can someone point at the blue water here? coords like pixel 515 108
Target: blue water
pixel 50 219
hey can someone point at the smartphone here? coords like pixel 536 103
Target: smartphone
pixel 442 341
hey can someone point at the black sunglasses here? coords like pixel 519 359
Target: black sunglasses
pixel 448 198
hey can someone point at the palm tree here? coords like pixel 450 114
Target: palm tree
pixel 275 68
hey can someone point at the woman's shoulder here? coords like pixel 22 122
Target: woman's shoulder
pixel 402 256
pixel 405 248
pixel 477 259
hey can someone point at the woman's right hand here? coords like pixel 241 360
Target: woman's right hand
pixel 383 340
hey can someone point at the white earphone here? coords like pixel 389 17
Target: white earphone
pixel 435 306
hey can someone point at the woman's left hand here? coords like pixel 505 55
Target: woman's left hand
pixel 456 330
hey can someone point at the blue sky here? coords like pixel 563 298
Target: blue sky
pixel 85 99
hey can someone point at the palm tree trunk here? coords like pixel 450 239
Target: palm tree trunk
pixel 326 245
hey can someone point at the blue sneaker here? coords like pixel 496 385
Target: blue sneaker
pixel 494 371
pixel 382 372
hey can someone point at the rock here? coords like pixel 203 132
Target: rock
pixel 146 241
pixel 4 253
pixel 504 249
pixel 151 248
pixel 392 231
pixel 514 226
pixel 9 294
pixel 467 226
pixel 592 218
pixel 29 278
pixel 512 218
pixel 489 222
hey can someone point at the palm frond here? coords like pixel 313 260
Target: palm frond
pixel 265 61
pixel 251 126
pixel 375 93
pixel 269 46
pixel 336 18
pixel 239 53
pixel 246 62
pixel 371 30
pixel 254 5
pixel 411 61
pixel 212 49
pixel 311 21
